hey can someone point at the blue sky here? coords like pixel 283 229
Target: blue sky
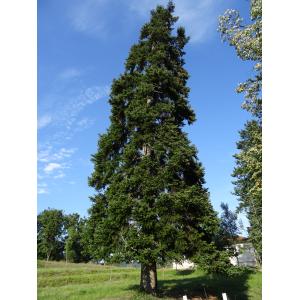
pixel 82 46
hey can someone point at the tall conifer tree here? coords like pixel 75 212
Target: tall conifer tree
pixel 151 205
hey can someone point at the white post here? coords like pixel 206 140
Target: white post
pixel 224 296
pixel 110 272
pixel 184 297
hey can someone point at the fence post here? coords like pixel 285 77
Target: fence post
pixel 224 296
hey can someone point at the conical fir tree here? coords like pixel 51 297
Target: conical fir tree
pixel 150 205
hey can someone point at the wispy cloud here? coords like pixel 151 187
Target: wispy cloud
pixel 65 115
pixel 88 16
pixel 66 121
pixel 84 123
pixel 198 17
pixel 59 175
pixel 69 73
pixel 54 170
pixel 42 191
pixel 42 188
pixel 97 17
pixel 44 153
pixel 43 121
pixel 52 166
pixel 47 154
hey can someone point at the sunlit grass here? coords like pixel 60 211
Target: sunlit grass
pixel 58 280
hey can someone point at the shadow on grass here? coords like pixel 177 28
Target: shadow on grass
pixel 185 272
pixel 204 287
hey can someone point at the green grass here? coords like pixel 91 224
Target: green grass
pixel 58 280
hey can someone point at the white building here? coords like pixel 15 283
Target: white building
pixel 185 265
pixel 246 255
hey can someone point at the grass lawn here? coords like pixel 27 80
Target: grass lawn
pixel 58 280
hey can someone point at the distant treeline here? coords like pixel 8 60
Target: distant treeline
pixel 61 236
pixel 67 237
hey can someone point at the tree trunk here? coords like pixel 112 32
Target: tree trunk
pixel 148 278
pixel 48 255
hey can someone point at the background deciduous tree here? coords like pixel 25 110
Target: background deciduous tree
pixel 50 227
pixel 75 243
pixel 247 40
pixel 229 229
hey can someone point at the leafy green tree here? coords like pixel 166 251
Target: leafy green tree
pixel 50 230
pixel 247 40
pixel 71 245
pixel 151 205
pixel 248 183
pixel 229 230
pixel 72 237
pixel 74 244
pixel 72 220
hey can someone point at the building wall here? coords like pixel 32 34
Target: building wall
pixel 246 255
pixel 185 265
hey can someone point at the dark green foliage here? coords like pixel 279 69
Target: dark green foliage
pixel 216 259
pixel 151 204
pixel 61 236
pixel 228 230
pixel 213 259
pixel 50 230
pixel 74 244
pixel 229 227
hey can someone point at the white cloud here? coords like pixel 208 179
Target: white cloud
pixel 44 121
pixel 51 167
pixel 42 191
pixel 63 153
pixel 42 188
pixel 69 73
pixel 59 175
pixel 44 153
pixel 51 164
pixel 47 154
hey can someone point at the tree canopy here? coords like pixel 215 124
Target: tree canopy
pixel 50 229
pixel 61 236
